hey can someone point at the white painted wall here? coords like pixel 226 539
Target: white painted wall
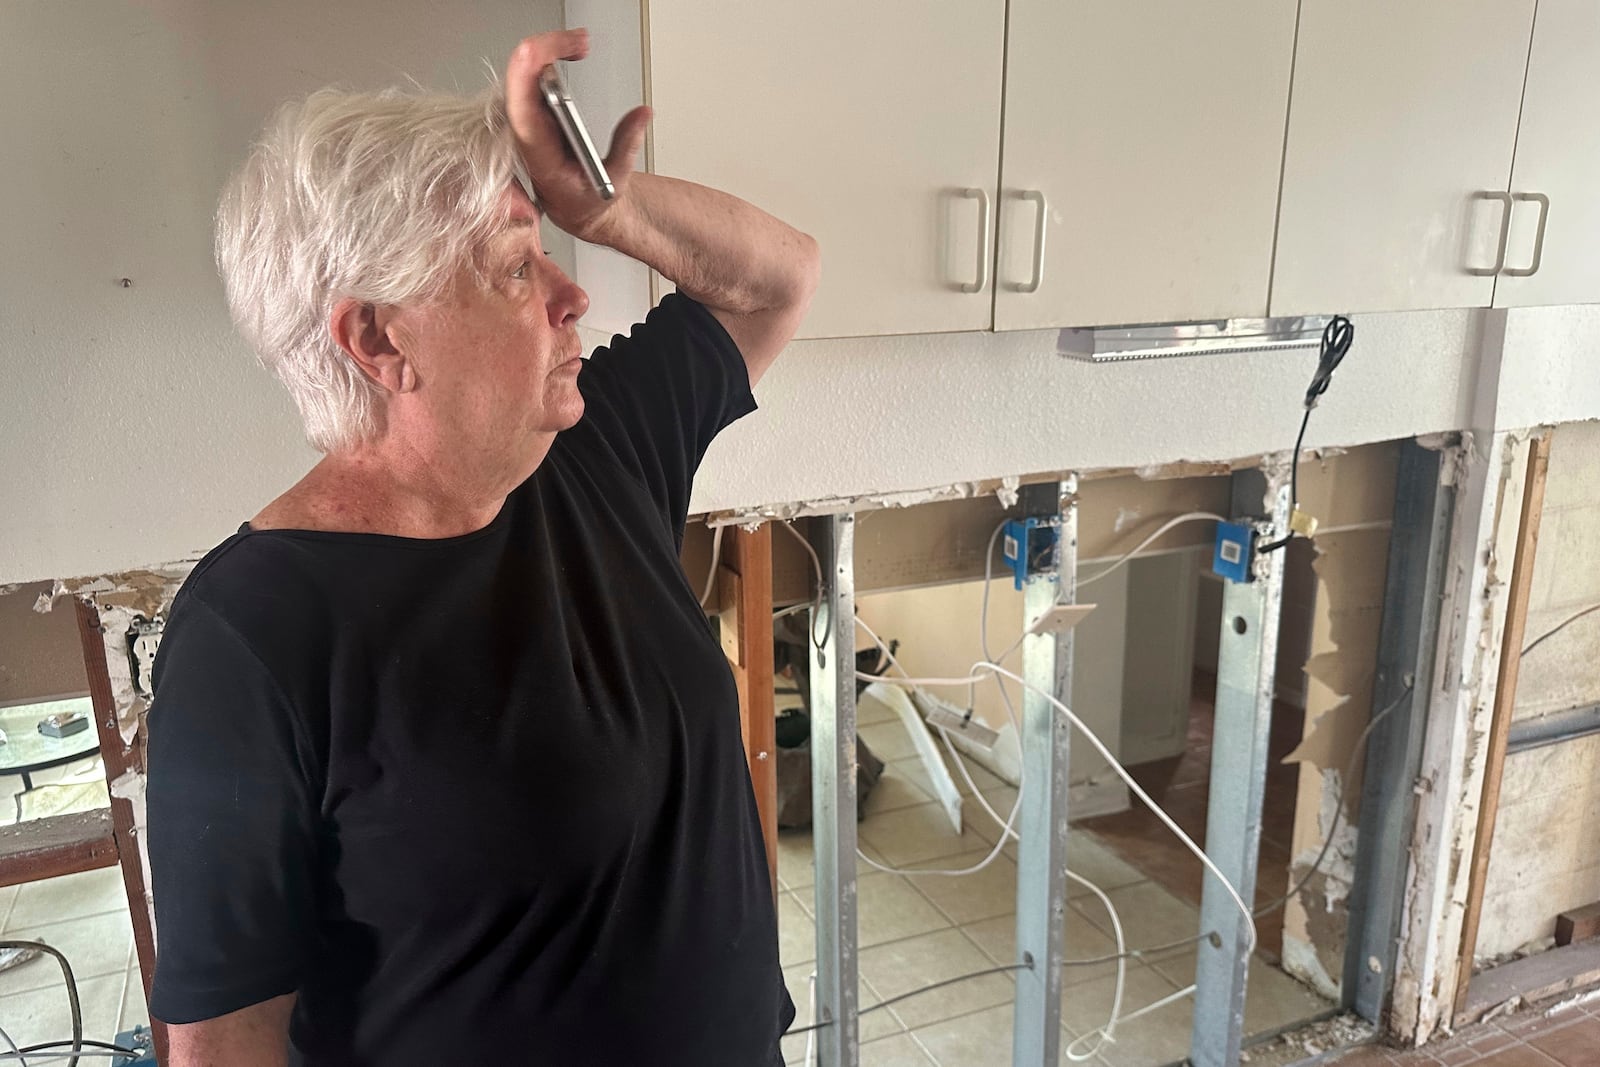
pixel 1550 367
pixel 878 415
pixel 134 427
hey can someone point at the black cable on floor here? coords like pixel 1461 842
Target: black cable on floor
pixel 106 1046
pixel 1004 969
pixel 72 991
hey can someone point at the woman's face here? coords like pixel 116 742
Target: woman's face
pixel 497 360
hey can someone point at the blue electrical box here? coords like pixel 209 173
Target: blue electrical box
pixel 1029 547
pixel 1235 549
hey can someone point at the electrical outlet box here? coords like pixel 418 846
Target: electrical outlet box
pixel 1029 547
pixel 144 638
pixel 1235 551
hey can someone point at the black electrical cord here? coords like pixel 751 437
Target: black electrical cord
pixel 1336 338
pixel 107 1046
pixel 1004 969
pixel 72 992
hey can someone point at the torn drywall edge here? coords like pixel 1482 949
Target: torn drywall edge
pixel 1002 488
pixel 118 600
pixel 1350 571
pixel 1277 464
pixel 115 623
pixel 147 592
pixel 1008 492
pixel 1488 480
pixel 130 786
pixel 1300 959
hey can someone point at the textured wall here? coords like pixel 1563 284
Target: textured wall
pixel 134 425
pixel 887 414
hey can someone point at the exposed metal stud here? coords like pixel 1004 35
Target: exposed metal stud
pixel 1419 548
pixel 1246 665
pixel 833 794
pixel 1046 737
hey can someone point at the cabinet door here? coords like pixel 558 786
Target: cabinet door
pixel 1147 135
pixel 1558 156
pixel 862 124
pixel 1403 113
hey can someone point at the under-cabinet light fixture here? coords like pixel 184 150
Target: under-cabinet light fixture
pixel 1108 344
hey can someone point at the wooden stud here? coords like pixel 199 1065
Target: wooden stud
pixel 1505 698
pixel 120 757
pixel 748 555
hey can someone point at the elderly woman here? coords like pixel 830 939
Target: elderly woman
pixel 445 764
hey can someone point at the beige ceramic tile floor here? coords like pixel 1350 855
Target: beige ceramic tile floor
pixel 915 930
pixel 86 917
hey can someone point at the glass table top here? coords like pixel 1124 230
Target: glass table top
pixel 27 749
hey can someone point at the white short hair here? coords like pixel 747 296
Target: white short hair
pixel 379 197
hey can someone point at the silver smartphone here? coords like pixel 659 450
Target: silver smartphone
pixel 559 101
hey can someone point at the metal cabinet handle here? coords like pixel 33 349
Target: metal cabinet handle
pixel 1043 210
pixel 1505 231
pixel 1538 237
pixel 982 197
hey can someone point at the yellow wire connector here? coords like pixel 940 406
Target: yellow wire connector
pixel 1303 522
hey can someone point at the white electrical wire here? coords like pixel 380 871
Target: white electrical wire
pixel 1007 830
pixel 816 568
pixel 716 558
pixel 1188 516
pixel 811 1018
pixel 1107 1033
pixel 1006 824
pixel 23 1060
pixel 991 670
pixel 1138 791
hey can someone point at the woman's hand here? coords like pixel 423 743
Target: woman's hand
pixel 563 189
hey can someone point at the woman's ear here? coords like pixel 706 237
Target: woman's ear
pixel 363 331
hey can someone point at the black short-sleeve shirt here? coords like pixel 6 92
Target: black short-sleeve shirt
pixel 480 799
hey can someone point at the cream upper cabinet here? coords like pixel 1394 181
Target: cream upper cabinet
pixel 1553 251
pixel 1142 149
pixel 875 127
pixel 1402 125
